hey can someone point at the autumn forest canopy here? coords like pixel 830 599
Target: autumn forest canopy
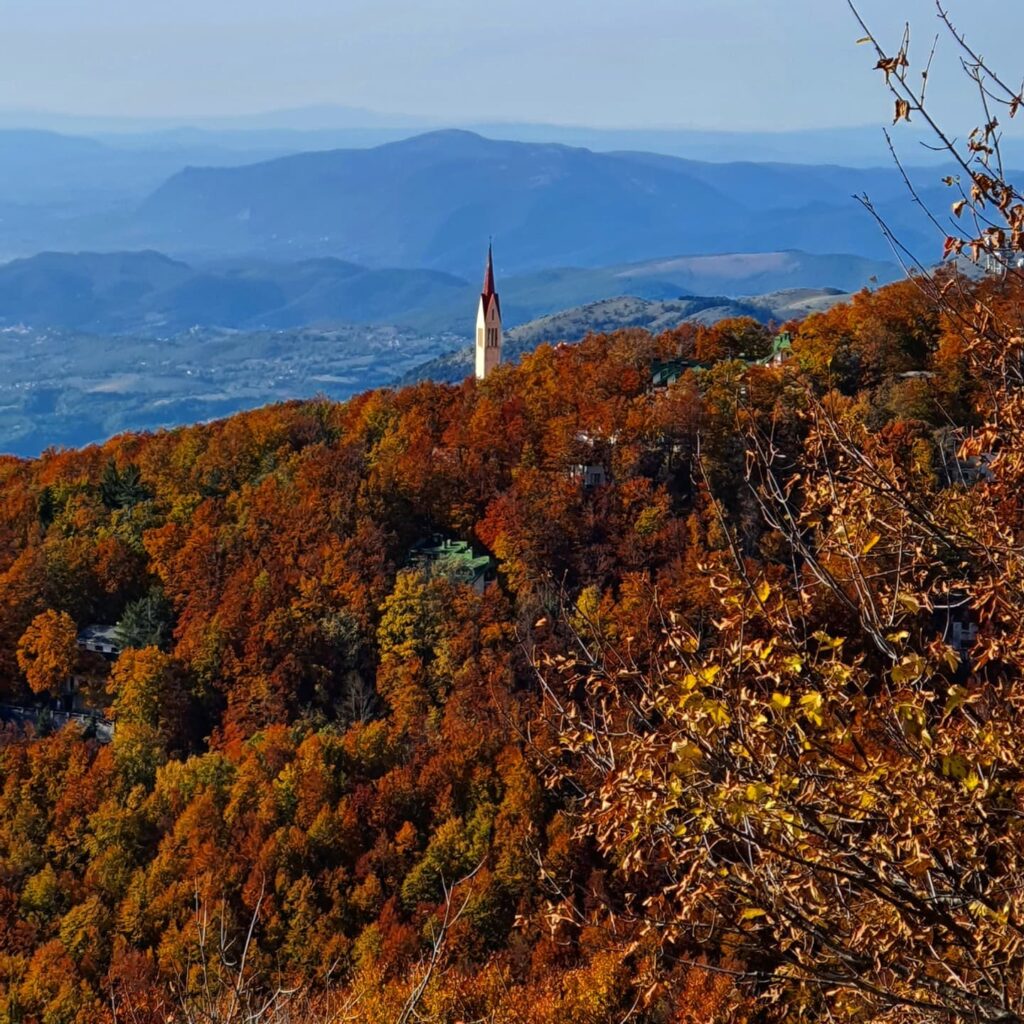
pixel 310 732
pixel 662 678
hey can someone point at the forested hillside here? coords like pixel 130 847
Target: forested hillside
pixel 625 312
pixel 660 769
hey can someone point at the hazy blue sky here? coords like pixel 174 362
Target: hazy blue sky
pixel 703 63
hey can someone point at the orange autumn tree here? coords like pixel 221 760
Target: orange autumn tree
pixel 48 651
pixel 823 778
pixel 333 738
pixel 823 781
pixel 739 337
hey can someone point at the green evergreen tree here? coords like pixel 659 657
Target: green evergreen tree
pixel 123 488
pixel 146 622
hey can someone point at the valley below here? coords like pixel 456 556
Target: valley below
pixel 157 280
pixel 66 388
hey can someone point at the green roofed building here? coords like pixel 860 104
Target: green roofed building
pixel 668 372
pixel 454 559
pixel 782 347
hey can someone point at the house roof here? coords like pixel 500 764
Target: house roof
pixel 426 552
pixel 782 343
pixel 99 634
pixel 669 371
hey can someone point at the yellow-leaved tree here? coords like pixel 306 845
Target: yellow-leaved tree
pixel 48 651
pixel 825 780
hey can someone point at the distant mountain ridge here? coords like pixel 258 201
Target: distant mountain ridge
pixel 332 126
pixel 428 201
pixel 45 166
pixel 148 293
pixel 431 200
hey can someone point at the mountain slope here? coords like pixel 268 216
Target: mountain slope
pixel 148 293
pixel 145 292
pixel 526 297
pixel 428 201
pixel 425 201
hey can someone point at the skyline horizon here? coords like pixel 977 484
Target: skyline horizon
pixel 703 65
pixel 379 119
pixel 403 119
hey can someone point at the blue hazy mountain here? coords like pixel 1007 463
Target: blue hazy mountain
pixel 429 201
pixel 151 294
pixel 44 166
pixel 147 292
pixel 64 191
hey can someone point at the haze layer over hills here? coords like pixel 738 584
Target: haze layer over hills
pixel 427 201
pixel 422 202
pixel 321 127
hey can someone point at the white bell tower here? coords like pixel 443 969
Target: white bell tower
pixel 488 324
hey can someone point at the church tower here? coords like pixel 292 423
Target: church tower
pixel 488 324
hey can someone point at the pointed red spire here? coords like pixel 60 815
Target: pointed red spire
pixel 489 273
pixel 489 292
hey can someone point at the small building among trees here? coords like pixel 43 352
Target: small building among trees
pixel 455 559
